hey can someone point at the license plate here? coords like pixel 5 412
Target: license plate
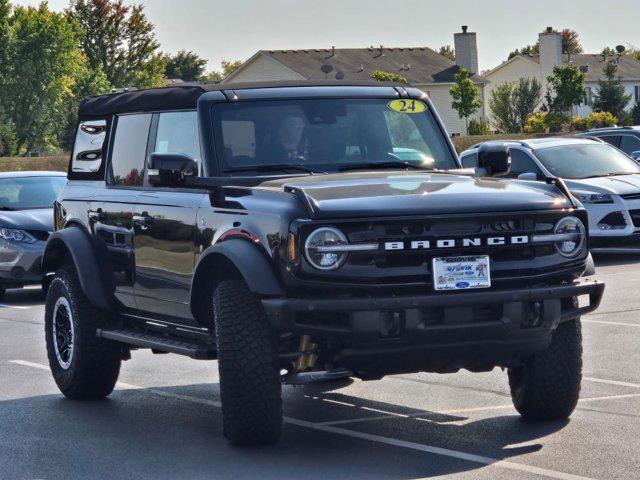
pixel 461 273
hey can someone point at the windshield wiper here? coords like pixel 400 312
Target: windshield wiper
pixel 7 209
pixel 611 174
pixel 273 168
pixel 376 165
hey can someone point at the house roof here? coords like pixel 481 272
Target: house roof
pixel 419 65
pixel 628 66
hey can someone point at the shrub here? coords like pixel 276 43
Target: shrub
pixel 381 76
pixel 536 123
pixel 600 119
pixel 625 118
pixel 479 127
pixel 579 124
pixel 555 121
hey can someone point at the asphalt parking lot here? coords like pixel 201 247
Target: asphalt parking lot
pixel 164 422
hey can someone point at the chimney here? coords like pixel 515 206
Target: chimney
pixel 466 48
pixel 550 51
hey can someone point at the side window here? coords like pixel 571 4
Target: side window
pixel 522 163
pixel 129 150
pixel 178 133
pixel 612 139
pixel 629 144
pixel 88 147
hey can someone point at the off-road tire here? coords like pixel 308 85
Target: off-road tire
pixel 94 362
pixel 547 386
pixel 250 385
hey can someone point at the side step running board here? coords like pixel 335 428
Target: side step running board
pixel 162 343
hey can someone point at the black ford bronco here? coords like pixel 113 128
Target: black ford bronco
pixel 299 233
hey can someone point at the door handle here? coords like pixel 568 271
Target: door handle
pixel 143 220
pixel 96 215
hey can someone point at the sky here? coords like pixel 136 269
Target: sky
pixel 235 29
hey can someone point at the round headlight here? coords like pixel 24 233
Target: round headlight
pixel 574 236
pixel 318 248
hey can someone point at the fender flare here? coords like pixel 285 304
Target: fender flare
pixel 252 264
pixel 86 253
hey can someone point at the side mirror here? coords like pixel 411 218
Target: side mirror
pixel 636 155
pixel 494 159
pixel 528 176
pixel 170 169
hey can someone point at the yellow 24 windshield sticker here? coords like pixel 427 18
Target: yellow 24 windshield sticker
pixel 407 106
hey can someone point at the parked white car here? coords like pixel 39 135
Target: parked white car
pixel 603 178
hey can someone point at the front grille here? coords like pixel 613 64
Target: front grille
pixel 631 196
pixel 522 262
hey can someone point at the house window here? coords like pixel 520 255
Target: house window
pixel 636 91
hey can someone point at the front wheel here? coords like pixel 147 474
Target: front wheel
pixel 250 385
pixel 547 385
pixel 84 366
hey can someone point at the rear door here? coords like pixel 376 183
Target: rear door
pixel 111 209
pixel 165 227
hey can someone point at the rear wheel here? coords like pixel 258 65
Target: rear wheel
pixel 248 363
pixel 547 386
pixel 83 365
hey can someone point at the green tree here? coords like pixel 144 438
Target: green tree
pixel 448 51
pixel 465 95
pixel 227 68
pixel 566 89
pixel 380 76
pixel 39 72
pixel 526 97
pixel 87 82
pixel 610 95
pixel 503 114
pixel 184 65
pixel 120 40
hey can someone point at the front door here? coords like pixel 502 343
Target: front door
pixel 165 228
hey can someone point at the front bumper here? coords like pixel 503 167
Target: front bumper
pixel 20 263
pixel 476 329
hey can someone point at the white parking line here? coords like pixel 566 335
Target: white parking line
pixel 468 457
pixel 18 307
pixel 620 324
pixel 612 382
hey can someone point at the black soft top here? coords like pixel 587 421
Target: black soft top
pixel 182 97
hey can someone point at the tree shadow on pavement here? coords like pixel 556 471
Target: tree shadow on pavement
pixel 158 433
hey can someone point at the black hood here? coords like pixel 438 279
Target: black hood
pixel 36 219
pixel 365 194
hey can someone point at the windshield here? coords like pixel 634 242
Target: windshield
pixel 325 135
pixel 22 193
pixel 586 160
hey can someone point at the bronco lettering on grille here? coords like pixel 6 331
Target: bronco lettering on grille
pixel 458 243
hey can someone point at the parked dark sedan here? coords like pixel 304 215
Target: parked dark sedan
pixel 26 220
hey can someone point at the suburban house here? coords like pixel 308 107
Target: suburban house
pixel 550 55
pixel 421 66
